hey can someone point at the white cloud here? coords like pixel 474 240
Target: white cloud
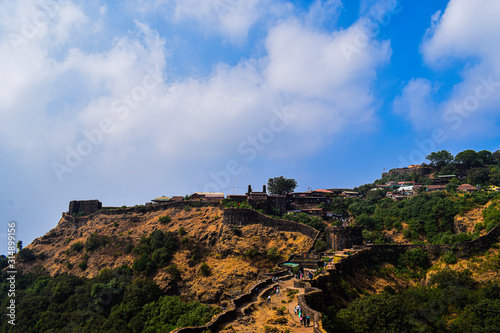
pixel 231 18
pixel 306 71
pixel 56 91
pixel 331 72
pixel 322 11
pixel 466 31
pixel 416 103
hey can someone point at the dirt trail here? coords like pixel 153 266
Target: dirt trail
pixel 263 315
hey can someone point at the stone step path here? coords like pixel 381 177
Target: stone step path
pixel 253 315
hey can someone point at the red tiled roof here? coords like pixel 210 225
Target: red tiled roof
pixel 466 187
pixel 323 191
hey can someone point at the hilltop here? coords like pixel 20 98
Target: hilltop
pixel 200 231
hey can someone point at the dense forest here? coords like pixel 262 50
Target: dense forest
pixel 118 300
pixel 114 301
pixel 448 301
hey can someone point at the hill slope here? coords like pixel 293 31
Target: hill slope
pixel 203 238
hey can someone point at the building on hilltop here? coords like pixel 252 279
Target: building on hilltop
pixel 307 198
pixel 162 199
pixel 350 194
pixel 207 196
pixel 467 188
pixel 261 200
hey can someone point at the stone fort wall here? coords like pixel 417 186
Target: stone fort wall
pixel 339 238
pixel 235 216
pixel 376 254
pixel 85 207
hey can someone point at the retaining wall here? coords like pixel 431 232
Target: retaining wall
pixel 229 315
pixel 235 216
pixel 376 254
pixel 157 207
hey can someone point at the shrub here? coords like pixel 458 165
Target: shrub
pixel 181 231
pixel 174 272
pixel 95 241
pixel 490 226
pixel 273 254
pixel 26 255
pixel 144 265
pixel 77 247
pixel 161 257
pixel 478 227
pixel 281 311
pixel 415 258
pixel 164 219
pixel 83 265
pixel 205 270
pixel 320 246
pixel 128 247
pixel 236 230
pixel 250 253
pixel 450 258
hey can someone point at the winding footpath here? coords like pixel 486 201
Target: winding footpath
pixel 253 316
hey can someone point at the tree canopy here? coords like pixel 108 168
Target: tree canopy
pixel 440 158
pixel 468 158
pixel 280 185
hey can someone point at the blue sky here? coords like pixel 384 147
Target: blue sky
pixel 127 101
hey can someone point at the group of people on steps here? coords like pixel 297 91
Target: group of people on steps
pixel 304 319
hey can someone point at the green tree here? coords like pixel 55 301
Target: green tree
pixel 486 157
pixel 26 255
pixel 280 185
pixel 19 245
pixel 450 169
pixel 320 246
pixel 468 159
pixel 144 265
pixel 377 313
pixel 478 176
pixel 496 156
pixel 495 175
pixel 440 158
pixel 161 257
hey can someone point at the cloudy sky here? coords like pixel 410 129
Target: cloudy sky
pixel 126 101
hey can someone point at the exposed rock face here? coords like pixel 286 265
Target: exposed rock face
pixel 223 246
pixel 467 222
